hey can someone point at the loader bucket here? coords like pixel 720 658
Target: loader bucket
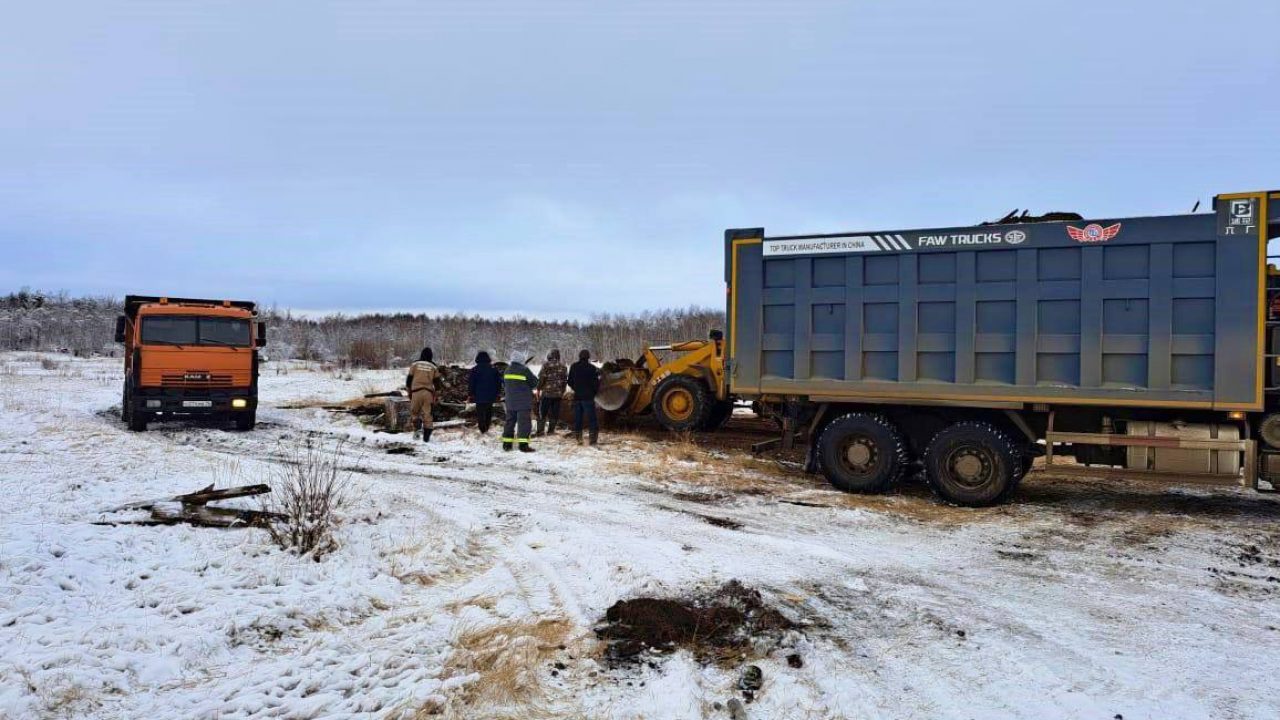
pixel 617 389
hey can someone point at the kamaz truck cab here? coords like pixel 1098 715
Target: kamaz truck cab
pixel 187 357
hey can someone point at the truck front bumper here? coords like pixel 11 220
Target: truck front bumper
pixel 194 401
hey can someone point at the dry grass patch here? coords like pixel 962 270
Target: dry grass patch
pixel 504 661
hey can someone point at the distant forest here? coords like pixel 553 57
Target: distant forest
pixel 32 320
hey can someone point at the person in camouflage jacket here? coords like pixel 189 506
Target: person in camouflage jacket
pixel 551 384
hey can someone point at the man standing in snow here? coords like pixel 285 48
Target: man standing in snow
pixel 584 379
pixel 483 384
pixel 423 381
pixel 519 383
pixel 551 382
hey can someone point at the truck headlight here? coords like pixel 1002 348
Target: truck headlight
pixel 153 403
pixel 239 403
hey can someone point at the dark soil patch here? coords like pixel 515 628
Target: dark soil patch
pixel 727 625
pixel 719 521
pixel 400 450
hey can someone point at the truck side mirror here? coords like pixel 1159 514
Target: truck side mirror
pixel 120 326
pixel 261 340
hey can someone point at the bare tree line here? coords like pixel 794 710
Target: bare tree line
pixel 31 320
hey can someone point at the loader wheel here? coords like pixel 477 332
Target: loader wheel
pixel 682 403
pixel 862 452
pixel 972 464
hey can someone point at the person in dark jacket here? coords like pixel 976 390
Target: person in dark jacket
pixel 484 382
pixel 584 379
pixel 518 383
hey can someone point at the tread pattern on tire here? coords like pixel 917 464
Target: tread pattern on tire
pixel 897 450
pixel 702 402
pixel 1002 445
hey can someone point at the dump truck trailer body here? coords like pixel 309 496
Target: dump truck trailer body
pixel 1153 319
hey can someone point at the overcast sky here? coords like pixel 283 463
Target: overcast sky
pixel 562 158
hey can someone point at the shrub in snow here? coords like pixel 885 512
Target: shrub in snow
pixel 308 491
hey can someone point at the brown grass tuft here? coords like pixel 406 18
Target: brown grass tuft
pixel 507 658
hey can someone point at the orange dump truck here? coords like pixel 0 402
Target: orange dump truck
pixel 190 358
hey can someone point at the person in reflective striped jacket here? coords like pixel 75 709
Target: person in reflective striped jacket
pixel 518 382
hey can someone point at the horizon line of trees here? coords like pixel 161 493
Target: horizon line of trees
pixel 38 321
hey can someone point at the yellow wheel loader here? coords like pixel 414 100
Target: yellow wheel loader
pixel 683 387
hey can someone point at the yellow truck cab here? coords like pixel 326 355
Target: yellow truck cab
pixel 189 358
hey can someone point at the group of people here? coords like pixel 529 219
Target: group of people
pixel 521 392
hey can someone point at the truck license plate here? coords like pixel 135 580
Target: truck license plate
pixel 197 403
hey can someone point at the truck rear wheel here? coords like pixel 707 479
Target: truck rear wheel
pixel 972 464
pixel 682 403
pixel 862 452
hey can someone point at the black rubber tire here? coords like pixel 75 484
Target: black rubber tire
pixel 1269 431
pixel 134 420
pixel 999 464
pixel 721 411
pixel 246 421
pixel 880 440
pixel 700 398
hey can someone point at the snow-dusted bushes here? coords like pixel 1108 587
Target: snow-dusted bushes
pixel 84 326
pixel 309 490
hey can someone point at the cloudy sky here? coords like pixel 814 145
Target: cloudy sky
pixel 561 158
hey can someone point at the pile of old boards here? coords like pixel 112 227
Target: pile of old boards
pixel 193 509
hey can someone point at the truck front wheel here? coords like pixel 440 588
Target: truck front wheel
pixel 972 464
pixel 134 420
pixel 246 421
pixel 862 452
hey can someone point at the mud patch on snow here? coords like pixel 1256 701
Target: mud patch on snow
pixel 727 625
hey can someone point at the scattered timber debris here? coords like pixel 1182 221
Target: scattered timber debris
pixel 193 509
pixel 730 624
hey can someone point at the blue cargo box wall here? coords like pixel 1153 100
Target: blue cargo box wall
pixel 1151 311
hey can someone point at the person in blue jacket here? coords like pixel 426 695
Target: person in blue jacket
pixel 483 385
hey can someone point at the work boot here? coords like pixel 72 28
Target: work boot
pixel 542 427
pixel 526 447
pixel 551 427
pixel 577 438
pixel 506 445
pixel 426 435
pixel 594 440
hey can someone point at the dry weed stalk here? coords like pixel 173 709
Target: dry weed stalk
pixel 309 489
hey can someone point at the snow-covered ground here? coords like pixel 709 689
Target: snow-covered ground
pixel 467 581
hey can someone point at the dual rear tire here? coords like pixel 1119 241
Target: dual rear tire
pixel 968 463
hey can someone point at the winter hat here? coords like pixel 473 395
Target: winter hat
pixel 554 355
pixel 425 354
pixel 584 355
pixel 517 357
pixel 482 358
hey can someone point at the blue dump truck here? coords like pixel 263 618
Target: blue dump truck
pixel 1137 346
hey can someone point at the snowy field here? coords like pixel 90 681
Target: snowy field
pixel 468 581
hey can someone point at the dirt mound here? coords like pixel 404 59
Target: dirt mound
pixel 729 624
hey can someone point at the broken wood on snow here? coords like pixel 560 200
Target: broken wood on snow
pixel 193 509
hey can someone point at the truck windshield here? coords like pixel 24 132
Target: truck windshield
pixel 189 330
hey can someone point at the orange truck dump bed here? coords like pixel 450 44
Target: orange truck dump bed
pixel 190 357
